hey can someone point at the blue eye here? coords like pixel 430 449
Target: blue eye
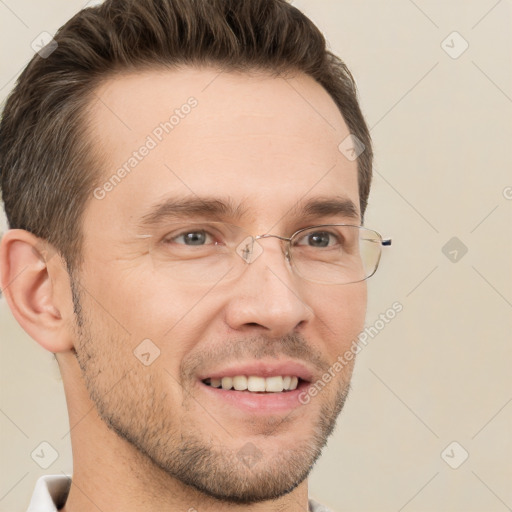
pixel 319 239
pixel 193 237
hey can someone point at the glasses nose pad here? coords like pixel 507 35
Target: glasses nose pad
pixel 249 249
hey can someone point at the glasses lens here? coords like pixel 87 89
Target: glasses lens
pixel 204 253
pixel 336 254
pixel 197 253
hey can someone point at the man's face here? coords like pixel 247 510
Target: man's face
pixel 267 146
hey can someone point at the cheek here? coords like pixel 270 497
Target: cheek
pixel 341 315
pixel 144 302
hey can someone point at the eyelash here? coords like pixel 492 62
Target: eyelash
pixel 171 237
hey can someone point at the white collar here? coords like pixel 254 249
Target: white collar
pixel 50 493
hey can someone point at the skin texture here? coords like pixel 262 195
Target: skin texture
pixel 149 437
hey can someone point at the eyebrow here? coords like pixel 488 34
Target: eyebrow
pixel 326 207
pixel 173 208
pixel 176 208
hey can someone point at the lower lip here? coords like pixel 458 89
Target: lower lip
pixel 258 402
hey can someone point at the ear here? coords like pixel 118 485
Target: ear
pixel 36 285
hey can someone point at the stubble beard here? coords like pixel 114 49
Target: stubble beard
pixel 242 475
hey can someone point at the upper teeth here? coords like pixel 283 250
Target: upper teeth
pixel 253 383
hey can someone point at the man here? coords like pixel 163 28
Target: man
pixel 185 184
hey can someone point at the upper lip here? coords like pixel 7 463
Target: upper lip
pixel 262 369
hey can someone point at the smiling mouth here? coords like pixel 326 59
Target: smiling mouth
pixel 255 384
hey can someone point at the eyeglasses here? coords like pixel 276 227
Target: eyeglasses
pixel 205 252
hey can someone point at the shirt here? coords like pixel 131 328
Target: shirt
pixel 51 493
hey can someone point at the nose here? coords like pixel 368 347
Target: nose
pixel 268 296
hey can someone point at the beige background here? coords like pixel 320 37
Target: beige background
pixel 440 371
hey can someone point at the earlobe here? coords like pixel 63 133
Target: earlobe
pixel 31 275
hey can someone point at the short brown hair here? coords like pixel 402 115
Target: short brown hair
pixel 46 163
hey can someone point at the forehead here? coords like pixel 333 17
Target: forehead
pixel 263 141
